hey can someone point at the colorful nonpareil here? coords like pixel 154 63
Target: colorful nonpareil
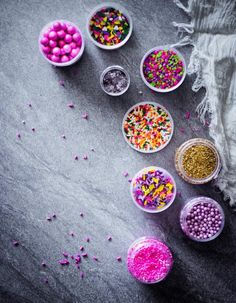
pixel 149 260
pixel 153 189
pixel 61 42
pixel 163 68
pixel 109 26
pixel 148 127
pixel 202 219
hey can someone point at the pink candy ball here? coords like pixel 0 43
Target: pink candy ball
pixel 56 51
pixel 61 43
pixel 55 58
pixel 61 34
pixel 76 37
pixel 74 52
pixel 64 59
pixel 73 45
pixel 63 26
pixel 52 35
pixel 68 38
pixel 67 48
pixel 52 43
pixel 46 49
pixel 44 41
pixel 62 51
pixel 71 29
pixel 56 26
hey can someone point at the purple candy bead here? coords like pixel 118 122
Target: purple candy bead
pixel 68 38
pixel 52 35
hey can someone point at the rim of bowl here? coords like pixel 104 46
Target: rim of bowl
pixel 116 6
pixel 198 200
pixel 163 208
pixel 159 90
pixel 114 67
pixel 143 239
pixel 79 55
pixel 147 151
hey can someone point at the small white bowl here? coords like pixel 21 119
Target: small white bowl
pixel 75 59
pixel 114 67
pixel 118 7
pixel 140 173
pixel 147 151
pixel 160 90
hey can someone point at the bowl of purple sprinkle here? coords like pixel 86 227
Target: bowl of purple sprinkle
pixel 202 219
pixel 163 69
pixel 153 189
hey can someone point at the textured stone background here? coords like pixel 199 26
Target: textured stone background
pixel 38 174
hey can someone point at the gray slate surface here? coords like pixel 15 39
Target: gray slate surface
pixel 38 174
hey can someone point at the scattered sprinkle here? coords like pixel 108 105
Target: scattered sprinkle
pixel 62 82
pixel 54 216
pixel 125 174
pixel 23 121
pixel 63 136
pixel 65 254
pixel 85 157
pixel 95 258
pixel 30 105
pixel 77 259
pixel 45 280
pixel 64 262
pixel 18 136
pixel 33 129
pixel 130 180
pixel 92 149
pixel 76 158
pixel 72 257
pixel 81 214
pixel 15 243
pixel 187 115
pixel 49 218
pixel 71 233
pixel 119 259
pixel 81 275
pixel 43 264
pixel 85 255
pixel 85 116
pixel 71 105
pixel 87 239
pixel 81 248
pixel 109 238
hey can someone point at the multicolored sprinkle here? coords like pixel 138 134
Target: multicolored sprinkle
pixel 148 127
pixel 153 188
pixel 109 26
pixel 163 69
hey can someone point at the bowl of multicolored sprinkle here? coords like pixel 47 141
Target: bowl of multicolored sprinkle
pixel 147 127
pixel 163 69
pixel 109 26
pixel 153 189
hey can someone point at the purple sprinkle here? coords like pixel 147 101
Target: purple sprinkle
pixel 72 257
pixel 63 136
pixel 65 254
pixel 64 262
pixel 33 129
pixel 130 180
pixel 81 275
pixel 18 135
pixel 187 115
pixel 45 280
pixel 49 218
pixel 85 157
pixel 81 214
pixel 85 116
pixel 118 259
pixel 76 158
pixel 85 255
pixel 109 238
pixel 62 82
pixel 30 105
pixel 88 239
pixel 71 234
pixel 125 174
pixel 15 243
pixel 92 149
pixel 43 264
pixel 78 266
pixel 23 121
pixel 81 248
pixel 54 216
pixel 77 259
pixel 95 258
pixel 71 105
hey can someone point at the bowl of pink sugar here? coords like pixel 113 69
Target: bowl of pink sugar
pixel 149 260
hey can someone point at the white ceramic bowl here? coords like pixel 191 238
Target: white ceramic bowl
pixel 142 171
pixel 147 151
pixel 75 59
pixel 160 90
pixel 116 6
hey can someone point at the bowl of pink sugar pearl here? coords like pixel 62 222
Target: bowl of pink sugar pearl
pixel 61 43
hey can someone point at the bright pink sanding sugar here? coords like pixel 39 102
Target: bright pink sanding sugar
pixel 149 260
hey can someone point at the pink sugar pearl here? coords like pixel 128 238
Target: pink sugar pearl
pixel 62 51
pixel 49 56
pixel 71 29
pixel 67 48
pixel 56 51
pixel 56 26
pixel 44 41
pixel 64 59
pixel 61 34
pixel 46 49
pixel 74 52
pixel 46 33
pixel 61 43
pixel 52 43
pixel 63 26
pixel 55 58
pixel 73 45
pixel 52 35
pixel 68 38
pixel 76 37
